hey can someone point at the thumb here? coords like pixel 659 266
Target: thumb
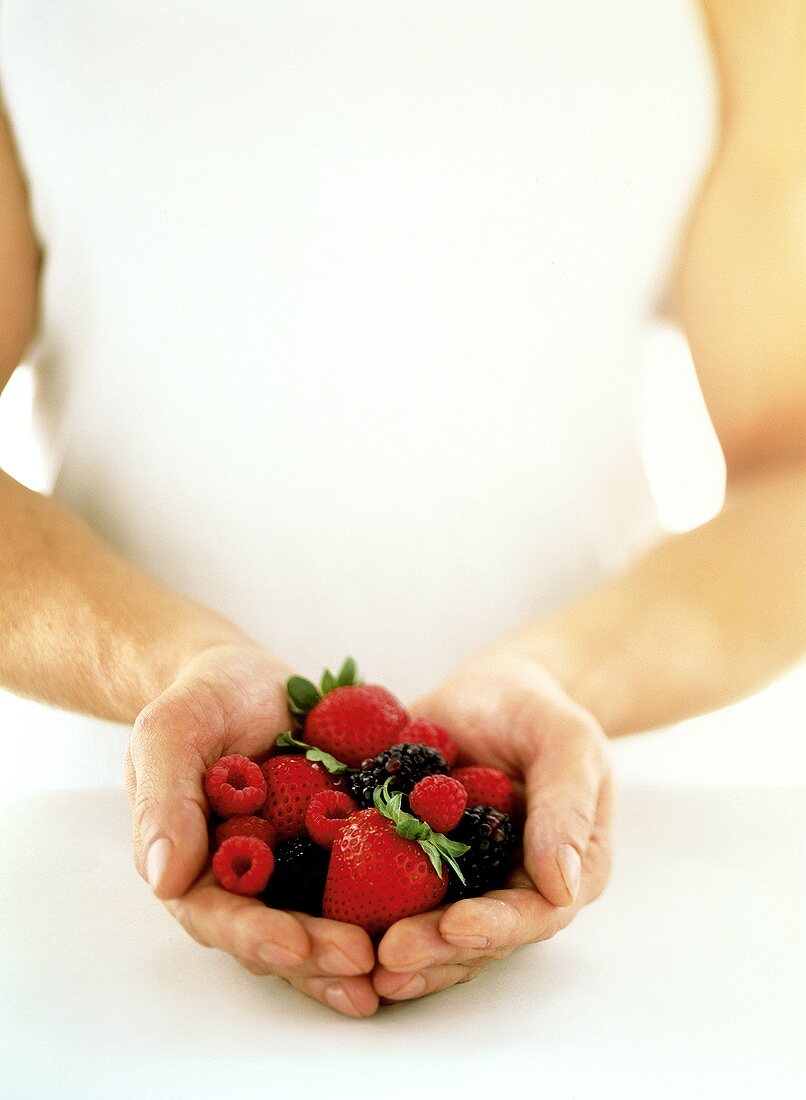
pixel 562 787
pixel 164 770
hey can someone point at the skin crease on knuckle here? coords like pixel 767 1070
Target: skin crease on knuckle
pixel 433 980
pixel 183 912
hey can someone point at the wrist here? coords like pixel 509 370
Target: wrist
pixel 586 661
pixel 192 641
pixel 161 661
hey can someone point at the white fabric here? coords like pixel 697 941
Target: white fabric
pixel 343 302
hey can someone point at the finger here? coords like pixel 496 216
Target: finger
pixel 337 947
pixel 415 943
pixel 272 941
pixel 562 791
pixel 392 986
pixel 169 809
pixel 502 919
pixel 491 925
pixel 349 996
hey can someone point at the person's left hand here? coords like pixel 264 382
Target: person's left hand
pixel 509 712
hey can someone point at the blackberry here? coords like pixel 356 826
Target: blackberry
pixel 491 836
pixel 406 763
pixel 298 879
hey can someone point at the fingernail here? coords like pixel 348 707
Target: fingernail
pixel 466 941
pixel 570 864
pixel 157 860
pixel 273 954
pixel 336 996
pixel 332 958
pixel 411 988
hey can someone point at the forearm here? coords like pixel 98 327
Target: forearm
pixel 699 621
pixel 80 626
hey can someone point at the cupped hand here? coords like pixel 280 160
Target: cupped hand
pixel 231 698
pixel 507 711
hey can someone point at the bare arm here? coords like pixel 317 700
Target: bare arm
pixel 80 626
pixel 704 617
pixel 715 613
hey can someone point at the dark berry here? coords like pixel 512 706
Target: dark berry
pixel 298 880
pixel 491 836
pixel 406 763
pixel 423 732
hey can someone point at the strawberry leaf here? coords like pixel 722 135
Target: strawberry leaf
pixel 334 766
pixel 432 852
pixel 302 695
pixel 435 845
pixel 348 673
pixel 288 740
pixel 316 756
pixel 329 681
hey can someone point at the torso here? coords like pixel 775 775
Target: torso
pixel 344 303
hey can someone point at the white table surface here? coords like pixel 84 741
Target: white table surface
pixel 684 979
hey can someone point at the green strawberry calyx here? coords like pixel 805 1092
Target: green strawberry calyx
pixel 303 695
pixel 317 756
pixel 435 845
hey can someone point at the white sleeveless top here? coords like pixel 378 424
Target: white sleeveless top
pixel 343 302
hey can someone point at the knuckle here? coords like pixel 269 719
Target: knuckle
pixel 129 776
pixel 244 934
pixel 253 967
pixel 178 719
pixel 579 820
pixel 571 823
pixel 143 810
pixel 145 733
pixel 472 972
pixel 191 924
pixel 498 953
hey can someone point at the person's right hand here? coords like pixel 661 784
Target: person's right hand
pixel 231 698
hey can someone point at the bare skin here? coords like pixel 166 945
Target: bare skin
pixel 703 618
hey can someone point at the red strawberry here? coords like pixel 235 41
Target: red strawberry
pixel 487 787
pixel 291 782
pixel 440 801
pixel 327 812
pixel 377 876
pixel 356 722
pixel 346 718
pixel 420 731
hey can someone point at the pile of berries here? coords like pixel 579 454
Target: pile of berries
pixel 358 816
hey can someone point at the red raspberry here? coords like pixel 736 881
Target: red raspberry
pixel 291 783
pixel 440 801
pixel 487 787
pixel 420 731
pixel 246 825
pixel 235 785
pixel 326 814
pixel 243 865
